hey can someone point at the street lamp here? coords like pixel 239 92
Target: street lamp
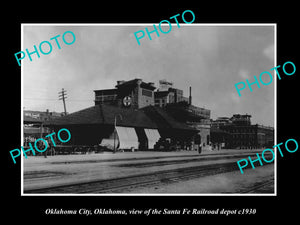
pixel 115 124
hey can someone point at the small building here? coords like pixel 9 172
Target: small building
pixel 243 134
pixel 166 94
pixel 130 94
pixel 138 94
pixel 33 124
pixel 128 116
pixel 123 128
pixel 193 116
pixel 219 138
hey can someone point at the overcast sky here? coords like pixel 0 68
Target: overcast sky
pixel 210 59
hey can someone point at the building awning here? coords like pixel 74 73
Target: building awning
pixel 127 138
pixel 110 143
pixel 153 137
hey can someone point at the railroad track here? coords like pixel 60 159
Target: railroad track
pixel 120 185
pixel 261 187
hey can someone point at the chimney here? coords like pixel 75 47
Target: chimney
pixel 190 97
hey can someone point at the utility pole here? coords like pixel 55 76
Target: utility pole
pixel 115 130
pixel 62 96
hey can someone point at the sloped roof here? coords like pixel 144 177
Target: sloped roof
pixel 163 119
pixel 148 117
pixel 86 116
pixel 105 114
pixel 126 117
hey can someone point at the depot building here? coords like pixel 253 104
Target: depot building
pixel 134 115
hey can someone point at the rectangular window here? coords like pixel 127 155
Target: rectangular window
pixel 146 92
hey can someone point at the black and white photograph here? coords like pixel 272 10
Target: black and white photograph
pixel 148 109
pixel 144 111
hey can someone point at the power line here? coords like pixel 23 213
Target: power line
pixel 62 96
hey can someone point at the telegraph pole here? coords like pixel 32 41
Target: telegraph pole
pixel 62 96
